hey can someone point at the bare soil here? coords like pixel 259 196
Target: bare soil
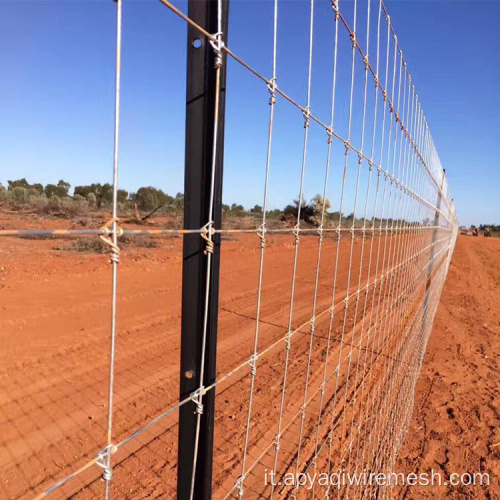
pixel 54 356
pixel 456 420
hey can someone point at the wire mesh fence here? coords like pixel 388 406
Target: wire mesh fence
pixel 318 359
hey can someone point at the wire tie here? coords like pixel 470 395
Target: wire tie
pixel 320 232
pixel 296 232
pixel 217 44
pixel 261 233
pixel 346 302
pixel 196 398
pixel 303 412
pixel 306 114
pixel 239 484
pixel 277 442
pixel 271 86
pixel 104 460
pixel 329 133
pixel 206 233
pixel 253 366
pixel 107 229
pixel 353 38
pixel 335 6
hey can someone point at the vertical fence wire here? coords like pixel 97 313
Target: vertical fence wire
pixel 115 254
pixel 262 236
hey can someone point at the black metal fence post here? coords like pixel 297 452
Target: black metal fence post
pixel 200 108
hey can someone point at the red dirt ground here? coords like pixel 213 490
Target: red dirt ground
pixel 54 357
pixel 456 420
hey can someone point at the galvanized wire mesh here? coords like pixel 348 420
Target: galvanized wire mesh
pixel 334 387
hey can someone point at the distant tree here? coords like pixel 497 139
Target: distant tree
pixel 292 211
pixel 274 214
pixel 60 190
pixel 24 184
pixel 64 186
pixel 18 183
pixel 317 207
pixel 237 210
pixel 103 193
pixel 179 202
pixel 257 209
pixel 122 195
pixel 50 190
pixel 150 198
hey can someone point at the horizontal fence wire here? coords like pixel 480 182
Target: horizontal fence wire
pixel 351 406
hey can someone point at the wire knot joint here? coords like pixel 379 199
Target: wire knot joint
pixel 207 232
pixel 108 230
pixel 217 45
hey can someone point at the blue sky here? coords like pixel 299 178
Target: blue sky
pixel 57 93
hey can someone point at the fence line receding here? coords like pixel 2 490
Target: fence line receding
pixel 322 380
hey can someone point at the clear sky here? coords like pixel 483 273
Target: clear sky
pixel 57 94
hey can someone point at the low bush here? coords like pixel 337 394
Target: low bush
pixel 89 245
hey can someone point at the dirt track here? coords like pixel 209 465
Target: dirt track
pixel 55 353
pixel 456 420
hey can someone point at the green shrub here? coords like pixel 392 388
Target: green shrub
pixel 91 198
pixel 72 207
pixel 20 195
pixel 55 203
pixel 89 245
pixel 39 203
